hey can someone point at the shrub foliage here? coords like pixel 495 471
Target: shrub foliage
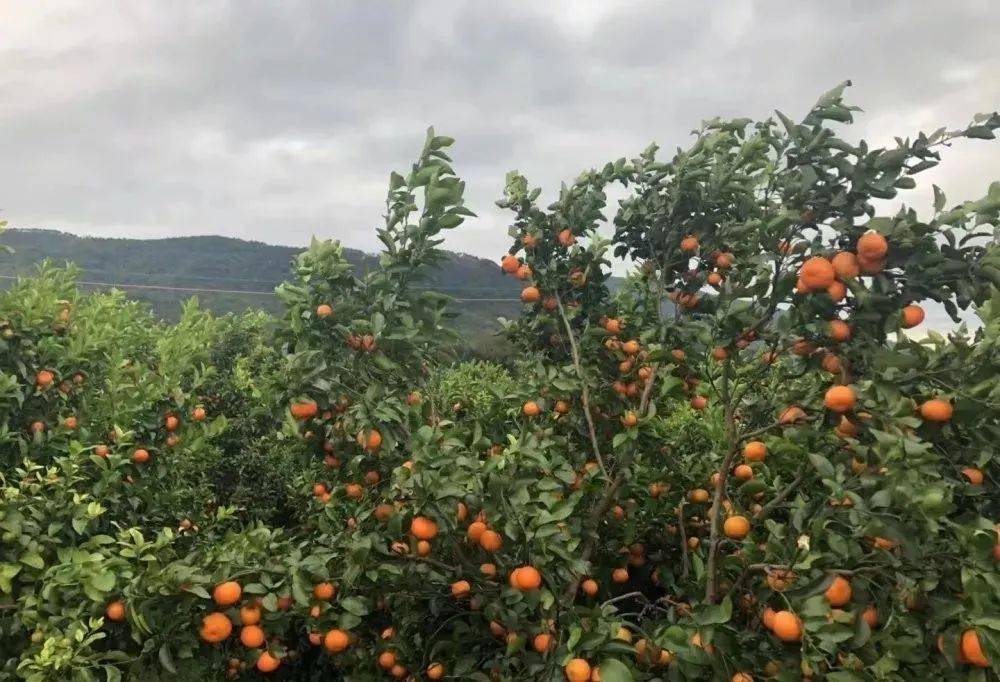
pixel 738 466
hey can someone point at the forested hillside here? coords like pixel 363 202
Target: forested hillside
pixel 231 266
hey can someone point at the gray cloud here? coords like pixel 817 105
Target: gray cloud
pixel 276 121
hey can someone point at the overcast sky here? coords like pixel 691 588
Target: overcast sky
pixel 276 121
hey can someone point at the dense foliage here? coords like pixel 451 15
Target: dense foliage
pixel 768 479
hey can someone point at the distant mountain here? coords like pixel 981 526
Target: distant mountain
pixel 233 266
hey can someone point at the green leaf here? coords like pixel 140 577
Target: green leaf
pixel 104 582
pixel 822 465
pixel 166 660
pixel 33 559
pixel 354 605
pixel 613 670
pixel 714 614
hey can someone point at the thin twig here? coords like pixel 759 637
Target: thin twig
pixel 627 595
pixel 720 485
pixel 591 542
pixel 585 392
pixel 685 559
pixel 782 494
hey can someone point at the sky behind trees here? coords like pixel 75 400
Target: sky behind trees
pixel 276 121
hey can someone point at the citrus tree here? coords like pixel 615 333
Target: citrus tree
pixel 736 464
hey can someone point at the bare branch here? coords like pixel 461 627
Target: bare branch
pixel 585 392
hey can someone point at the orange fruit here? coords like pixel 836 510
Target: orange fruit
pixel 398 671
pixel 140 456
pixel 491 541
pixel 562 407
pixel 719 353
pixel 386 660
pixel 44 378
pixel 741 677
pixel 101 450
pixel 817 274
pixel 531 295
pixel 620 575
pixel 475 531
pixel 526 578
pixel 724 261
pixel 787 626
pixel 488 569
pixel 589 587
pixel 629 419
pixel 884 543
pixel 699 402
pixel 839 592
pixel 780 579
pixel 768 618
pixel 566 238
pixel 698 496
pixel 936 410
pixel 754 451
pixel 524 272
pixel 267 663
pixel 304 409
pixel 792 415
pixel 423 528
pixel 435 671
pixel 869 266
pixel 115 611
pixel 846 429
pixel 972 650
pixel 838 330
pixel 714 279
pixel 510 263
pixel 803 348
pixel 974 475
pixel 215 627
pixel 336 641
pixel 461 589
pixel 736 527
pixel 324 591
pixel 912 315
pixel 577 670
pixel 831 363
pixel 542 643
pixel 743 472
pixel 837 291
pixel 870 616
pixel 872 246
pixel 249 615
pixel 531 409
pixel 323 311
pixel 845 265
pixel 839 399
pixel 689 244
pixel 252 636
pixel 631 347
pixel 372 442
pixel 227 593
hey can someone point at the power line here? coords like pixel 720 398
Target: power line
pixel 199 290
